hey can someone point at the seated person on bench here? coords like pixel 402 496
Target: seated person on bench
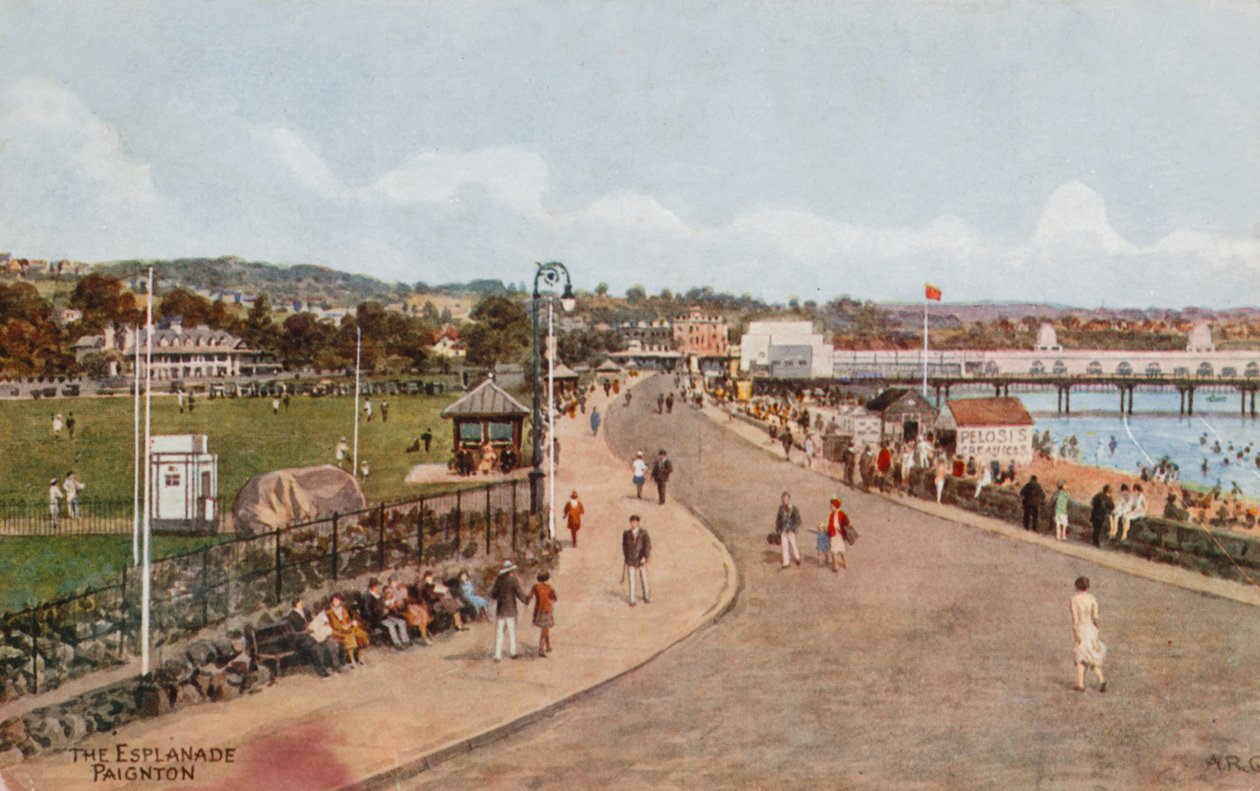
pixel 378 616
pixel 314 640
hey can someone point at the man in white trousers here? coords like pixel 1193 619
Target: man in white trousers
pixel 786 522
pixel 636 548
pixel 506 592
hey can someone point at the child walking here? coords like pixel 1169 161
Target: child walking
pixel 543 595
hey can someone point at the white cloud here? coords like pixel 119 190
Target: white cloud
pixel 70 188
pixel 511 176
pixel 67 184
pixel 299 154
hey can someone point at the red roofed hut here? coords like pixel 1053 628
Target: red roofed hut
pixel 988 428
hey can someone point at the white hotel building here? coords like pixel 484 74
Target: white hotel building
pixel 178 352
pixel 1199 360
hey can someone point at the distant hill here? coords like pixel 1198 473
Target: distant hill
pixel 280 283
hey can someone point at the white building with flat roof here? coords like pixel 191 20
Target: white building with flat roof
pixel 788 349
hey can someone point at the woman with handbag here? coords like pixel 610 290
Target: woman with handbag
pixel 839 533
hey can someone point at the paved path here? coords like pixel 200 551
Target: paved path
pixel 408 709
pixel 940 659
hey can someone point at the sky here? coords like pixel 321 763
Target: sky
pixel 1086 153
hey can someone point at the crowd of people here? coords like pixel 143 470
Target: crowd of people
pixel 336 635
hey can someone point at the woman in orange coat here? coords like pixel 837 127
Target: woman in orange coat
pixel 573 511
pixel 347 630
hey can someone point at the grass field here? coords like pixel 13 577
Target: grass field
pixel 243 432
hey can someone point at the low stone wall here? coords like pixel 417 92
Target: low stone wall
pixel 1217 553
pixel 199 672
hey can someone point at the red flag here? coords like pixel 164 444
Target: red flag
pixel 932 292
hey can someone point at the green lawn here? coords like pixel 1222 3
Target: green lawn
pixel 243 432
pixel 246 436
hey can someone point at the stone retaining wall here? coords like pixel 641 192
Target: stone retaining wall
pixel 1218 553
pixel 198 672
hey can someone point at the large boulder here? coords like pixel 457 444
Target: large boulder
pixel 276 499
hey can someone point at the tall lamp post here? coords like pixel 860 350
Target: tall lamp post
pixel 548 274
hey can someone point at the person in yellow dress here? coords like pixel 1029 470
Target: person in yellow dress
pixel 347 630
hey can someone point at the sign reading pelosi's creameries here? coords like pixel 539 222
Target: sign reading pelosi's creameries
pixel 1003 443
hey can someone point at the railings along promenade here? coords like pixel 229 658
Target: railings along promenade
pixel 48 643
pixel 87 516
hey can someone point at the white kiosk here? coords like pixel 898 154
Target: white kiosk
pixel 185 481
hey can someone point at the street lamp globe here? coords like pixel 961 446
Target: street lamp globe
pixel 567 300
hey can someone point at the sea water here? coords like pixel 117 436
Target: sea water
pixel 1158 433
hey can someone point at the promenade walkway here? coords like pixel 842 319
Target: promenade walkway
pixel 409 710
pixel 1119 561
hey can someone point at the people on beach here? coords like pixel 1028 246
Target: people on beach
pixel 1119 511
pixel 1100 510
pixel 1136 510
pixel 1060 503
pixel 1088 650
pixel 1030 498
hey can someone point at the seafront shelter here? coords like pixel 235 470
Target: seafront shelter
pixel 487 414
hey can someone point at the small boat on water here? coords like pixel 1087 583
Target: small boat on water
pixel 1216 398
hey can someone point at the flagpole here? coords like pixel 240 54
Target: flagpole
pixel 136 472
pixel 925 342
pixel 145 576
pixel 358 351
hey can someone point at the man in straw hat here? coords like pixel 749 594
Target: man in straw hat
pixel 506 592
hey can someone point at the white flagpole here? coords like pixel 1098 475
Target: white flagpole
pixel 925 342
pixel 136 471
pixel 551 421
pixel 145 576
pixel 358 351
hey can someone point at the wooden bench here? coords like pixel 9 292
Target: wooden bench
pixel 271 644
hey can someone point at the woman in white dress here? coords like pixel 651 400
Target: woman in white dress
pixel 1089 650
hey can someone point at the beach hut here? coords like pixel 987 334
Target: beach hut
pixel 488 414
pixel 904 414
pixel 988 428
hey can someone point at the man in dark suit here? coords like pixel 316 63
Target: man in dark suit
pixel 506 593
pixel 320 654
pixel 636 547
pixel 378 615
pixel 1031 497
pixel 1100 509
pixel 662 468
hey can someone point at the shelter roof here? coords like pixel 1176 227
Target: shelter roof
pixel 486 400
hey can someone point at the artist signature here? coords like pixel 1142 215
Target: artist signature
pixel 1232 763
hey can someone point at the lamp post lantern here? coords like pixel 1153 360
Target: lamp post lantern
pixel 548 274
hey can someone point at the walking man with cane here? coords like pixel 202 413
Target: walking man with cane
pixel 636 549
